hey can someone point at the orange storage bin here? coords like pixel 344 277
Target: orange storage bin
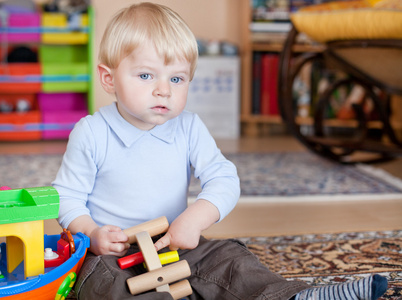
pixel 20 126
pixel 17 77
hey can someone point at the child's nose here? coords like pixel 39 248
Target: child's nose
pixel 162 89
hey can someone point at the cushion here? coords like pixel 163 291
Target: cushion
pixel 340 20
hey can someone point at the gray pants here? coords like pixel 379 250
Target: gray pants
pixel 220 269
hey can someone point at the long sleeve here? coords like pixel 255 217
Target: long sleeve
pixel 219 180
pixel 76 176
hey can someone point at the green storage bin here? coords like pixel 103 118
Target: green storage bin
pixel 73 77
pixel 63 54
pixel 64 68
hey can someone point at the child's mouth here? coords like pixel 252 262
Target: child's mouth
pixel 160 109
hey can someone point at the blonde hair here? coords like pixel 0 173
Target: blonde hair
pixel 139 23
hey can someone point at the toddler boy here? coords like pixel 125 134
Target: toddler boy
pixel 131 162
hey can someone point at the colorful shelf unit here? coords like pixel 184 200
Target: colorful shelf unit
pixel 63 75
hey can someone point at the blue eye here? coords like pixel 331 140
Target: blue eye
pixel 145 76
pixel 175 79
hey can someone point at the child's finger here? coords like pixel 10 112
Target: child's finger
pixel 119 249
pixel 118 237
pixel 163 242
pixel 112 228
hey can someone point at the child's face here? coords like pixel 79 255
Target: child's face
pixel 149 92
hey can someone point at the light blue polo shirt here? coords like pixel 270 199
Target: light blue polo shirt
pixel 123 176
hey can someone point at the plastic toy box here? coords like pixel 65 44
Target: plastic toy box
pixel 18 126
pixel 60 112
pixel 23 27
pixel 58 29
pixel 214 94
pixel 64 68
pixel 17 77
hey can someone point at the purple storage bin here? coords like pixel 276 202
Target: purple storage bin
pixel 23 27
pixel 60 112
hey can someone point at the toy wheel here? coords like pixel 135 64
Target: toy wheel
pixel 66 286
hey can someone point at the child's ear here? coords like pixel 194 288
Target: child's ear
pixel 106 78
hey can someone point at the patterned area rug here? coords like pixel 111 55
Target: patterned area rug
pixel 334 258
pixel 274 174
pixel 322 259
pixel 289 174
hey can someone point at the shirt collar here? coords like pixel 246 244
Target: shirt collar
pixel 129 134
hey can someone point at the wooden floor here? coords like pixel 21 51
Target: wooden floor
pixel 275 218
pixel 300 218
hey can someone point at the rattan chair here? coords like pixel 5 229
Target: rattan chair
pixel 375 65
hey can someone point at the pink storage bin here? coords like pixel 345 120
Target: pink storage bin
pixel 60 112
pixel 23 27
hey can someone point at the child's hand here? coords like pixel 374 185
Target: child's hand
pixel 185 231
pixel 110 240
pixel 179 236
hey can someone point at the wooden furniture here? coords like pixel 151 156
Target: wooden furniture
pixel 375 65
pixel 157 277
pixel 257 124
pixel 253 124
pixel 372 64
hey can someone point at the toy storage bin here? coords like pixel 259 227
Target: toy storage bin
pixel 65 54
pixel 65 68
pixel 17 77
pixel 65 78
pixel 57 29
pixel 60 112
pixel 18 126
pixel 23 27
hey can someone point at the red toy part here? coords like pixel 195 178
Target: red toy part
pixel 63 252
pixel 54 262
pixel 130 260
pixel 63 248
pixel 137 258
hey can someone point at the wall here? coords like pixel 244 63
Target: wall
pixel 208 19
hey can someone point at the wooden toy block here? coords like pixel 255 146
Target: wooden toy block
pixel 153 227
pixel 157 277
pixel 180 289
pixel 164 276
